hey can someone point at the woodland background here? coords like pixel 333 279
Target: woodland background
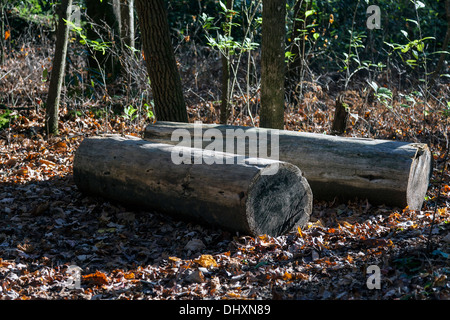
pixel 395 84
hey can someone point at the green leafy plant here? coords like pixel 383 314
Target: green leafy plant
pixel 130 113
pixel 223 40
pixel 6 118
pixel 382 94
pixel 148 111
pixel 92 45
pixel 414 47
pixel 234 48
pixel 356 42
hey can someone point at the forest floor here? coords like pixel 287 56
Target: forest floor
pixel 47 227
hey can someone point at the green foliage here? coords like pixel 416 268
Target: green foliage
pixel 334 32
pixel 382 94
pixel 224 41
pixel 148 111
pixel 130 113
pixel 6 117
pixel 331 31
pixel 98 113
pixel 95 45
pixel 73 114
pixel 411 53
pixel 28 7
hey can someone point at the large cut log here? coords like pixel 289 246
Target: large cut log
pixel 384 172
pixel 255 196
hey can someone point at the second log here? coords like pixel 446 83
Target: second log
pixel 386 172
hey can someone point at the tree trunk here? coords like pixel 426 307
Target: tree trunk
pixel 59 63
pixel 160 61
pixel 127 22
pixel 225 104
pixel 384 172
pixel 272 64
pixel 271 197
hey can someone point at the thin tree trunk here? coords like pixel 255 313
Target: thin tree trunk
pixel 160 61
pixel 224 109
pixel 59 62
pixel 2 33
pixel 225 105
pixel 272 64
pixel 127 22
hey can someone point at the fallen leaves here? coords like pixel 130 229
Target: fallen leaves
pixel 98 278
pixel 24 171
pixel 40 208
pixel 194 245
pixel 141 255
pixel 11 162
pixel 47 162
pixel 206 261
pixel 26 247
pixel 195 276
pixel 378 243
pixel 46 225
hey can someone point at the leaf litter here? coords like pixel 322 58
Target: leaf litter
pixel 47 227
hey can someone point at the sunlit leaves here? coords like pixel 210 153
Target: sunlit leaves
pixel 206 261
pixel 98 278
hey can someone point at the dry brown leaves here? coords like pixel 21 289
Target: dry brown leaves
pixel 47 227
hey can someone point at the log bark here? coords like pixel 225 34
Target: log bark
pixel 270 197
pixel 383 172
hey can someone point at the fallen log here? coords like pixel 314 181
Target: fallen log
pixel 255 196
pixel 383 172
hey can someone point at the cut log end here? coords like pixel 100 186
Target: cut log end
pixel 278 203
pixel 419 175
